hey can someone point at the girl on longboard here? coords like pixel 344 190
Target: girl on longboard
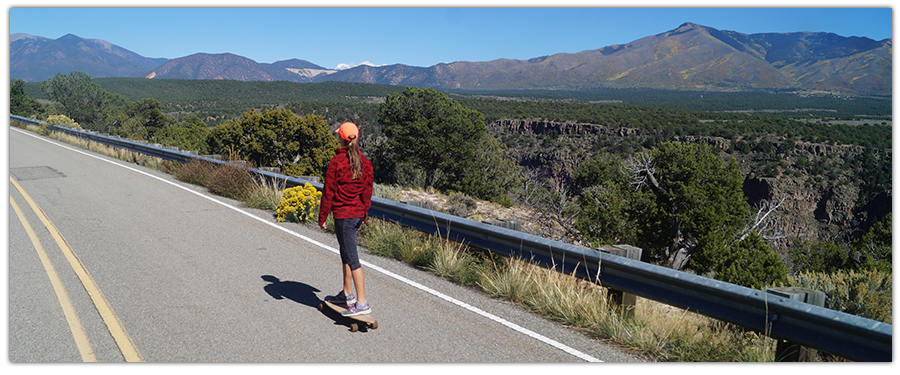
pixel 348 196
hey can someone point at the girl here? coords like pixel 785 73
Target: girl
pixel 348 195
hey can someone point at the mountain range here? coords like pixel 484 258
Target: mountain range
pixel 691 57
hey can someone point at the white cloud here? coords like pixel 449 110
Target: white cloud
pixel 343 66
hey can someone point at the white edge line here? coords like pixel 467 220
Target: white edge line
pixel 414 284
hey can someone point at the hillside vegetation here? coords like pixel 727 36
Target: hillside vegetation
pixel 218 99
pixel 215 101
pixel 833 178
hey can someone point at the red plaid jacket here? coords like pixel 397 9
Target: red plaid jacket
pixel 343 196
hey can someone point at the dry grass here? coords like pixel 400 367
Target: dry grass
pixel 265 195
pixel 390 240
pixel 657 330
pixel 116 152
pixel 448 260
pixel 231 181
pixel 196 172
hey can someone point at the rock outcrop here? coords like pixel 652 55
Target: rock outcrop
pixel 815 208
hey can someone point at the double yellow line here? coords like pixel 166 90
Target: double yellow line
pixel 126 346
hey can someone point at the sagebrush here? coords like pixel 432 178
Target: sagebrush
pixel 866 293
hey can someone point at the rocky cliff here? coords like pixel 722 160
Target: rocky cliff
pixel 821 206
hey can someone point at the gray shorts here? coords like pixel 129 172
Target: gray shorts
pixel 346 229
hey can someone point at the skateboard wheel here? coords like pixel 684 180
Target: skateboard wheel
pixel 374 325
pixel 354 327
pixel 321 307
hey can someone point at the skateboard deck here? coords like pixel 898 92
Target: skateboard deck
pixel 364 318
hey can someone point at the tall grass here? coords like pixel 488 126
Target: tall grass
pixel 265 195
pixel 231 181
pixel 196 172
pixel 390 240
pixel 451 261
pixel 138 158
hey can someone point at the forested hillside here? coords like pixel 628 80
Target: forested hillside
pixel 221 98
pixel 667 122
pixel 215 101
pixel 780 103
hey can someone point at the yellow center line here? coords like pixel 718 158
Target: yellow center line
pixel 123 340
pixel 81 339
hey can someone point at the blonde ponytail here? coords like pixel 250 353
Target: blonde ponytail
pixel 354 153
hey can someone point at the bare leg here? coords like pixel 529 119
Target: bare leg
pixel 348 280
pixel 360 283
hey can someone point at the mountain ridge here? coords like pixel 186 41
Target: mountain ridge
pixel 229 66
pixel 689 57
pixel 35 58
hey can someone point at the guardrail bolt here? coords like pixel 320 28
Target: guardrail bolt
pixel 623 303
pixel 786 351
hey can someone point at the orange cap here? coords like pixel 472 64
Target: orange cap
pixel 348 131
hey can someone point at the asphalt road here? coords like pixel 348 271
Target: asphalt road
pixel 172 273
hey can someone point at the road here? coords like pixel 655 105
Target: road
pixel 113 262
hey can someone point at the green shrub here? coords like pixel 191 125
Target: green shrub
pixel 299 204
pixel 864 293
pixel 749 262
pixel 459 204
pixel 300 146
pixel 825 257
pixel 503 200
pixel 871 251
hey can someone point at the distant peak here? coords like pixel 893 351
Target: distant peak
pixel 18 36
pixel 688 26
pixel 684 28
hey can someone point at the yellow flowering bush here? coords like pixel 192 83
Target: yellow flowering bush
pixel 299 204
pixel 62 120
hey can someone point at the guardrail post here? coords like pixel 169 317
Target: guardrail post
pixel 623 303
pixel 787 351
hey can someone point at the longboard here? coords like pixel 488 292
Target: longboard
pixel 364 318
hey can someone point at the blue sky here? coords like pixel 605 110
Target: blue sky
pixel 349 35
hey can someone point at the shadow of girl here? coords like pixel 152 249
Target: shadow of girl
pixel 292 290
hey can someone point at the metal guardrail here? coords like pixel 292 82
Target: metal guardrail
pixel 842 334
